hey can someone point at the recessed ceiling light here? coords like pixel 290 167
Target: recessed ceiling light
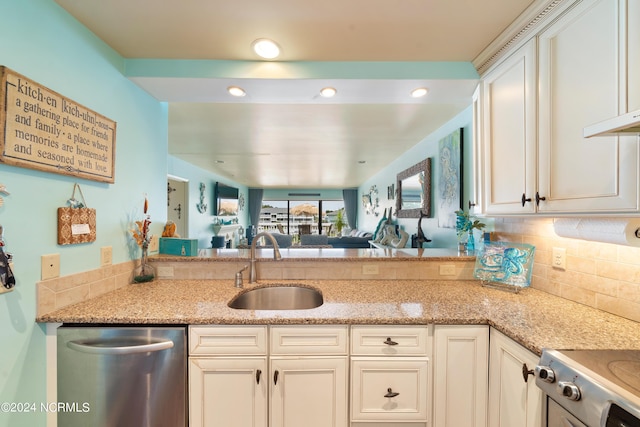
pixel 265 48
pixel 236 91
pixel 328 92
pixel 419 92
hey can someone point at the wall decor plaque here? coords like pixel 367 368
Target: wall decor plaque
pixel 41 129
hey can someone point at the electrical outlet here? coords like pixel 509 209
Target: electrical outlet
pixel 447 270
pixel 50 266
pixel 154 244
pixel 370 269
pixel 559 258
pixel 105 256
pixel 165 271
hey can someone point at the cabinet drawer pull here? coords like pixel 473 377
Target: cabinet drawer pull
pixel 391 393
pixel 258 375
pixel 526 372
pixel 389 341
pixel 275 377
pixel 525 200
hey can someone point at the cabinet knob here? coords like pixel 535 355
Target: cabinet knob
pixel 391 393
pixel 526 372
pixel 525 199
pixel 538 199
pixel 389 341
pixel 275 377
pixel 471 204
pixel 258 375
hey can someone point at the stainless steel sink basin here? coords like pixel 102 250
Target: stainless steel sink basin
pixel 278 298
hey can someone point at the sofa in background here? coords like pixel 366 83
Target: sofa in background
pixel 283 240
pixel 355 239
pixel 313 239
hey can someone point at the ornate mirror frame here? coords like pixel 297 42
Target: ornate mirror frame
pixel 425 167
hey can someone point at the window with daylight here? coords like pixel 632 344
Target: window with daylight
pixel 286 216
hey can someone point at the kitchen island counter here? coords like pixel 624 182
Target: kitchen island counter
pixel 532 318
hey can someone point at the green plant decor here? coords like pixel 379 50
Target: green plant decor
pixel 340 221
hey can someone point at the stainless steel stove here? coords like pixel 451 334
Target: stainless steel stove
pixel 593 388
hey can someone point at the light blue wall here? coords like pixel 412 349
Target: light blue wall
pixel 41 41
pixel 428 147
pixel 200 223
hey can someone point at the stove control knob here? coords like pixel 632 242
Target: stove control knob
pixel 569 390
pixel 545 373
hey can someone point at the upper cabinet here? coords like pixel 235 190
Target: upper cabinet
pixel 580 69
pixel 632 22
pixel 509 133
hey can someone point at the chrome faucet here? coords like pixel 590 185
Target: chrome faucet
pixel 253 276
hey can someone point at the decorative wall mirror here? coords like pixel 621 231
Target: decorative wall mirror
pixel 414 191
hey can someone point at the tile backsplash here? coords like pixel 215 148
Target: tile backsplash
pixel 601 275
pixel 53 294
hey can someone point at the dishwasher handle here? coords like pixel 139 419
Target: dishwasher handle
pixel 102 347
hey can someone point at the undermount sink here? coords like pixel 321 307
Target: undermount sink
pixel 278 298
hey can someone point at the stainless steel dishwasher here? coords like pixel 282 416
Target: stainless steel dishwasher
pixel 122 376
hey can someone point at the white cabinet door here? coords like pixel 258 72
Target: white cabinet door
pixel 476 206
pixel 308 391
pixel 512 401
pixel 461 360
pixel 509 133
pixel 633 50
pixel 228 392
pixel 581 83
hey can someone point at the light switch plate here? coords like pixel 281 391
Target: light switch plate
pixel 370 269
pixel 50 266
pixel 165 271
pixel 106 256
pixel 447 270
pixel 559 258
pixel 154 244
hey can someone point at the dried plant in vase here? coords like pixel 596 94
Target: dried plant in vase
pixel 145 272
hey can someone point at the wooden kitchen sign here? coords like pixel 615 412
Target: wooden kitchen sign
pixel 41 129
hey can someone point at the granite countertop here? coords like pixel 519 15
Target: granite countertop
pixel 533 318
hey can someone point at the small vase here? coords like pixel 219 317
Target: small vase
pixel 144 272
pixel 471 245
pixel 462 243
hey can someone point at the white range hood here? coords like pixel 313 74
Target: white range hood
pixel 626 124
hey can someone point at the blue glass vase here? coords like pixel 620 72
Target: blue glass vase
pixel 471 245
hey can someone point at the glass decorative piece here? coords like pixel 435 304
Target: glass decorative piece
pixel 505 263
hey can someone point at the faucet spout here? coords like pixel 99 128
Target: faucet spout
pixel 253 275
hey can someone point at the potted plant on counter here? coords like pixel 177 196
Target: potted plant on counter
pixel 465 225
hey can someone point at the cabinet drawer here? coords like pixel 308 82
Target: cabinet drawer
pixel 374 381
pixel 227 340
pixel 309 340
pixel 389 340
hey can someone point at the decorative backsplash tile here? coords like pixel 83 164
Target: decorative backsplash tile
pixel 601 275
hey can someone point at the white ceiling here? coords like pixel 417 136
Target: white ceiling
pixel 282 134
